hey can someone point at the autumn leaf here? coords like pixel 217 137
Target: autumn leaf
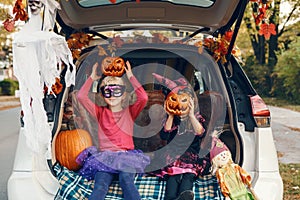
pixel 228 35
pixel 267 30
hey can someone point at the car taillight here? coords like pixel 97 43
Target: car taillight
pixel 261 112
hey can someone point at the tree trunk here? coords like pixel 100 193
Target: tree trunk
pixel 273 42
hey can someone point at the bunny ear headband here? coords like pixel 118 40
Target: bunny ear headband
pixel 173 85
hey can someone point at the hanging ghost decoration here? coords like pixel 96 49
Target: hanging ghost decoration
pixel 35 6
pixel 39 56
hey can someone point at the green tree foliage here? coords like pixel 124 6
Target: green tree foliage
pixel 8 86
pixel 287 73
pixel 262 55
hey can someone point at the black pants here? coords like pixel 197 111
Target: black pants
pixel 176 184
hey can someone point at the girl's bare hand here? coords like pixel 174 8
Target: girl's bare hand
pixel 192 107
pixel 94 75
pixel 128 70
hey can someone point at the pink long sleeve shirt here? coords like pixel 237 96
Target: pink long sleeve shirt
pixel 115 129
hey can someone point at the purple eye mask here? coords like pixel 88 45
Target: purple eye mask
pixel 114 90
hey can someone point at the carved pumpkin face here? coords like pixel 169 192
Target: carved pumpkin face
pixel 177 104
pixel 112 66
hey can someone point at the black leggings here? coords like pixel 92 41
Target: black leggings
pixel 176 184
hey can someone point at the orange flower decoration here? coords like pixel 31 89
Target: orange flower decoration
pixel 267 30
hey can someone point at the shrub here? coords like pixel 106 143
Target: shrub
pixel 287 73
pixel 8 86
pixel 259 75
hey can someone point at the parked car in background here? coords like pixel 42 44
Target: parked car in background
pixel 193 40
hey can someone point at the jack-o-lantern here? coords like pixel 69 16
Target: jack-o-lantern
pixel 177 104
pixel 113 66
pixel 69 144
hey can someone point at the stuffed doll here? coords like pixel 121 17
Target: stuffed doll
pixel 234 181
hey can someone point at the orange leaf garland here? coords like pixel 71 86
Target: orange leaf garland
pixel 218 46
pixel 78 41
pixel 267 30
pixel 159 38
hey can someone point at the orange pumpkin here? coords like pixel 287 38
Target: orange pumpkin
pixel 69 144
pixel 177 104
pixel 113 66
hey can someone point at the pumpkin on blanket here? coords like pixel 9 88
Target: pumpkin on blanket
pixel 69 144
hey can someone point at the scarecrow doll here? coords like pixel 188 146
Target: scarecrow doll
pixel 234 181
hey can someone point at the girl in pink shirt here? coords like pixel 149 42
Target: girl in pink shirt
pixel 116 154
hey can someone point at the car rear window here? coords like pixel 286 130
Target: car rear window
pixel 199 3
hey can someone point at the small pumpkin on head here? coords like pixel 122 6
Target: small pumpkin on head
pixel 113 66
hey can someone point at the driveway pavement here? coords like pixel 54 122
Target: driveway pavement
pixel 286 132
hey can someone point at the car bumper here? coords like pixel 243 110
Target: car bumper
pixel 269 186
pixel 24 185
pixel 262 163
pixel 31 177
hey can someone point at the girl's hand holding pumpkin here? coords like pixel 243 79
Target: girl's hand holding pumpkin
pixel 94 75
pixel 167 111
pixel 198 128
pixel 192 108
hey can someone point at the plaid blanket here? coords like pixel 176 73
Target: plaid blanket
pixel 75 187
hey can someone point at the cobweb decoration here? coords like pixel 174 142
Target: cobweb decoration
pixel 39 55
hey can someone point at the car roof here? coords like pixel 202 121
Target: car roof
pixel 102 15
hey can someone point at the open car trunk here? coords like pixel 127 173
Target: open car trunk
pixel 170 60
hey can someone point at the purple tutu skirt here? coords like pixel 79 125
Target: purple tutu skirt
pixel 92 161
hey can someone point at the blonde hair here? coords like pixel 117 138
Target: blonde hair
pixel 106 80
